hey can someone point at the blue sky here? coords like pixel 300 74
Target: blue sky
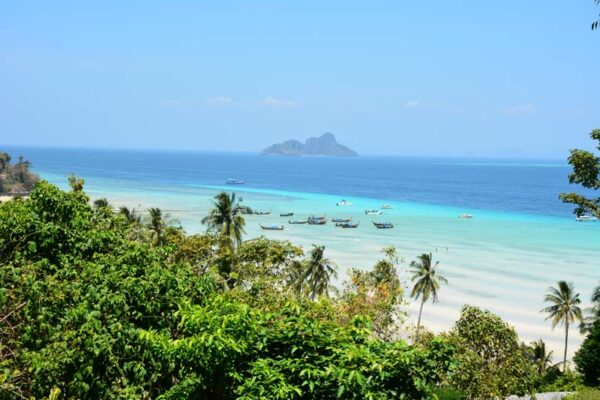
pixel 457 78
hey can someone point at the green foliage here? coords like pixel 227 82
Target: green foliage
pixel 554 380
pixel 586 394
pixel 377 294
pixel 286 354
pixel 449 393
pixel 491 363
pixel 90 311
pixel 586 170
pixel 15 178
pixel 587 358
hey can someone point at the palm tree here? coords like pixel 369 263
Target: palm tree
pixel 563 309
pixel 226 218
pixel 318 272
pixel 540 358
pixel 157 225
pixel 593 312
pixel 131 215
pixel 427 282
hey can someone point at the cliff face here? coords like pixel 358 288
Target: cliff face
pixel 324 145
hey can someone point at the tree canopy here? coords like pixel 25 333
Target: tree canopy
pixel 586 170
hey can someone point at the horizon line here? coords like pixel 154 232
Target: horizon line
pixel 249 152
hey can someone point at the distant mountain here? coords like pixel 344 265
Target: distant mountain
pixel 324 145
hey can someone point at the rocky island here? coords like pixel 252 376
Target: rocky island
pixel 324 145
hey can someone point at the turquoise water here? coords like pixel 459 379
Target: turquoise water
pixel 521 240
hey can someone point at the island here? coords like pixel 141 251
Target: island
pixel 324 145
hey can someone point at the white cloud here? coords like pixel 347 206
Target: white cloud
pixel 171 103
pixel 279 103
pixel 219 101
pixel 412 104
pixel 519 109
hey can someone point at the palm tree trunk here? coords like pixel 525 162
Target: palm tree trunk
pixel 419 320
pixel 566 341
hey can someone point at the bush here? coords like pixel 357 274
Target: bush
pixel 587 394
pixel 449 393
pixel 587 358
pixel 491 363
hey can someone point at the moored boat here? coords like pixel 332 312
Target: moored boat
pixel 343 203
pixel 373 212
pixel 342 220
pixel 347 225
pixel 261 212
pixel 272 227
pixel 290 214
pixel 302 221
pixel 383 225
pixel 386 206
pixel 586 218
pixel 312 220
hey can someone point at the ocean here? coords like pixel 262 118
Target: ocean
pixel 521 240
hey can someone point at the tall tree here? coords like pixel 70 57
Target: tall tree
pixel 318 272
pixel 427 282
pixel 157 225
pixel 226 219
pixel 563 309
pixel 586 172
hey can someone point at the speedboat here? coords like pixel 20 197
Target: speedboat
pixel 386 206
pixel 232 181
pixel 373 212
pixel 383 225
pixel 465 216
pixel 343 203
pixel 272 227
pixel 586 218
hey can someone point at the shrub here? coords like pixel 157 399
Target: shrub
pixel 587 394
pixel 587 358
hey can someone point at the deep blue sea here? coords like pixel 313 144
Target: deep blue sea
pixel 519 186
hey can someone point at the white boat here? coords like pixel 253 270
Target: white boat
pixel 232 181
pixel 586 218
pixel 343 203
pixel 373 212
pixel 465 216
pixel 386 206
